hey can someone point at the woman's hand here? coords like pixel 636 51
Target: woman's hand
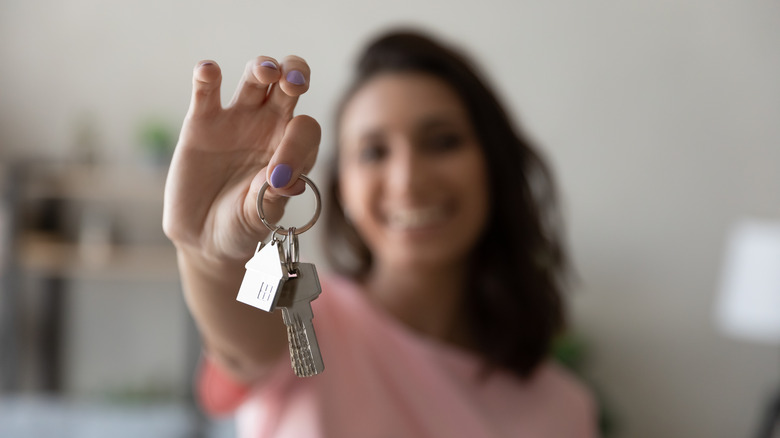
pixel 224 155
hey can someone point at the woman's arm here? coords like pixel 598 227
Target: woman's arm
pixel 223 157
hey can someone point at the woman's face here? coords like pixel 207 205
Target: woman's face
pixel 412 173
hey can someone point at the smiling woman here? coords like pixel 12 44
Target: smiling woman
pixel 413 177
pixel 442 230
pixel 444 153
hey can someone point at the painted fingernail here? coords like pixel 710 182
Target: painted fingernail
pixel 206 63
pixel 296 78
pixel 281 175
pixel 269 64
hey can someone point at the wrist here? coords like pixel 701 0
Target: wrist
pixel 197 260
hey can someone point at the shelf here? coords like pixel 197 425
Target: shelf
pixel 105 183
pixel 43 254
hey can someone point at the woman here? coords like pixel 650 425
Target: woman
pixel 441 226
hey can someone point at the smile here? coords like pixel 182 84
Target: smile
pixel 406 219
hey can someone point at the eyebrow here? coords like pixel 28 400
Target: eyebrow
pixel 448 119
pixel 428 123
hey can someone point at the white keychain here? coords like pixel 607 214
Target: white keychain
pixel 264 277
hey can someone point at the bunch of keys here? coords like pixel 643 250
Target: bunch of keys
pixel 275 278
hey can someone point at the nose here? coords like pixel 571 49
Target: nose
pixel 407 171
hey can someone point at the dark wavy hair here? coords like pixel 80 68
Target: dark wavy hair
pixel 514 307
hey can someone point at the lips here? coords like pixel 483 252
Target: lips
pixel 416 218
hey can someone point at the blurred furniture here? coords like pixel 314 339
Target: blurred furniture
pixel 65 222
pixel 68 223
pixel 749 304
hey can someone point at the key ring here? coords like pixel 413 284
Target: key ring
pixel 291 253
pixel 283 230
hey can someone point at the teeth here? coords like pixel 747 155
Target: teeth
pixel 415 218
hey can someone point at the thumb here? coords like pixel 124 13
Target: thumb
pixel 272 204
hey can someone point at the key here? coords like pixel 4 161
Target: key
pixel 264 278
pixel 295 301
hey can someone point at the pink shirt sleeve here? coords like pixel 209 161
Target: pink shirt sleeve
pixel 218 394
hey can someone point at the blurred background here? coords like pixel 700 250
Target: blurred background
pixel 661 120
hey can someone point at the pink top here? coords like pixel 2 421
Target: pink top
pixel 383 380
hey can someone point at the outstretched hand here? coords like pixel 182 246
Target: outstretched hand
pixel 224 155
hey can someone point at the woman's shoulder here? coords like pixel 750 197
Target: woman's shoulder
pixel 561 384
pixel 556 389
pixel 551 401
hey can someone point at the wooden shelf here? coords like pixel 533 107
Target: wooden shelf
pixel 105 183
pixel 43 254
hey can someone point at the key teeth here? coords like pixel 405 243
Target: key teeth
pixel 301 356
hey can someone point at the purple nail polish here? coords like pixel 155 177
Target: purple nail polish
pixel 296 78
pixel 281 175
pixel 268 64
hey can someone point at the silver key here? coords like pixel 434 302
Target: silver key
pixel 295 301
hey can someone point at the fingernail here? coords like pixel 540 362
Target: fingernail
pixel 281 175
pixel 296 78
pixel 206 63
pixel 269 64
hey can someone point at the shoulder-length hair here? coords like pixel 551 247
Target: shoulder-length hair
pixel 513 308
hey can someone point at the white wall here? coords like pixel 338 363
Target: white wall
pixel 661 118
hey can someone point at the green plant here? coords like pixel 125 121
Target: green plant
pixel 157 138
pixel 571 351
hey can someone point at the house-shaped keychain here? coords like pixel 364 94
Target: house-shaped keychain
pixel 264 277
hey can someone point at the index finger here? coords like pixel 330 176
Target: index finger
pixel 296 155
pixel 294 81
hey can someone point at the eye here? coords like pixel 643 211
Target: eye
pixel 444 141
pixel 372 152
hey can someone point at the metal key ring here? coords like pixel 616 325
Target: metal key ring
pixel 299 230
pixel 291 250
